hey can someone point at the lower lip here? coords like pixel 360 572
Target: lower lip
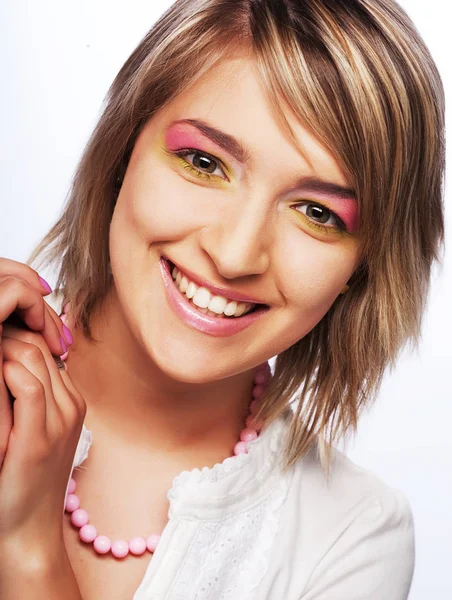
pixel 216 326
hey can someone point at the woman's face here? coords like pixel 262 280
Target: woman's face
pixel 241 210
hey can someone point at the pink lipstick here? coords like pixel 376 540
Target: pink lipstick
pixel 214 326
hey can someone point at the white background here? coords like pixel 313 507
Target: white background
pixel 57 61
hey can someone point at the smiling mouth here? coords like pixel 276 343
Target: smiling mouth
pixel 207 303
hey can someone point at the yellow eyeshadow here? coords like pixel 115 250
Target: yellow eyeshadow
pixel 198 173
pixel 322 229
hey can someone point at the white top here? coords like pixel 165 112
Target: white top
pixel 243 531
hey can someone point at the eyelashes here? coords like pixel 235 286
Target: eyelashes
pixel 314 207
pixel 200 166
pixel 205 160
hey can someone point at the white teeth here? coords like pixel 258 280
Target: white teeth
pixel 183 284
pixel 230 308
pixel 191 290
pixel 202 297
pixel 240 309
pixel 217 304
pixel 207 302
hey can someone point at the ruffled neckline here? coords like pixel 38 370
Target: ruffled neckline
pixel 227 486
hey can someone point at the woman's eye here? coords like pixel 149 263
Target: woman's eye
pixel 201 164
pixel 321 215
pixel 201 161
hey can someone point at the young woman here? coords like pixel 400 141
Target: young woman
pixel 265 180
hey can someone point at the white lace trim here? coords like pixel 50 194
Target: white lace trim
pixel 228 559
pixel 228 554
pixel 259 460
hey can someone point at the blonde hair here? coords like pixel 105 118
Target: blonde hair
pixel 358 75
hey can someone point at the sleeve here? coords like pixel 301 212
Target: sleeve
pixel 372 558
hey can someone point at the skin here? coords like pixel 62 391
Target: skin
pixel 149 371
pixel 158 394
pixel 41 417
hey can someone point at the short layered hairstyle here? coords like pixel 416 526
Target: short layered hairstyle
pixel 358 75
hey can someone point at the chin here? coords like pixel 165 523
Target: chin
pixel 175 359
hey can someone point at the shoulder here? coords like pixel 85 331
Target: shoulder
pixel 349 488
pixel 349 495
pixel 354 520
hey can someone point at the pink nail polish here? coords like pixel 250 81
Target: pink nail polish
pixel 63 345
pixel 68 334
pixel 45 284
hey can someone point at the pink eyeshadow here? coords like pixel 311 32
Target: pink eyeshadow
pixel 347 210
pixel 178 137
pixel 182 136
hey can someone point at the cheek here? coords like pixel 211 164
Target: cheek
pixel 155 205
pixel 315 274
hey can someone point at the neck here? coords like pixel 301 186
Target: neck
pixel 130 399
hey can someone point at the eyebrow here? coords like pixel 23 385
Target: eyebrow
pixel 231 145
pixel 222 139
pixel 319 186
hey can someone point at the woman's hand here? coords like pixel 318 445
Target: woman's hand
pixel 21 298
pixel 47 415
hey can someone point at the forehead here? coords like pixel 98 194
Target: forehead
pixel 232 99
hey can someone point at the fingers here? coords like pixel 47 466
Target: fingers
pixel 39 458
pixel 61 324
pixel 77 397
pixel 22 271
pixel 29 405
pixel 17 295
pixel 31 350
pixel 6 413
pixel 31 357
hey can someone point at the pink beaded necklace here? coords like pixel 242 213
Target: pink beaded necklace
pixel 102 544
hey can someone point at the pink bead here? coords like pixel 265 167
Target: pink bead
pixel 252 423
pixel 102 544
pixel 258 391
pixel 240 448
pixel 79 517
pixel 248 434
pixel 137 546
pixel 262 377
pixel 253 406
pixel 88 533
pixel 72 486
pixel 152 541
pixel 72 503
pixel 120 548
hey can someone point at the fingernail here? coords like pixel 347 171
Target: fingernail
pixel 63 345
pixel 68 335
pixel 45 284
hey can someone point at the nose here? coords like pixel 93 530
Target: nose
pixel 239 243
